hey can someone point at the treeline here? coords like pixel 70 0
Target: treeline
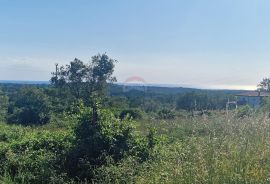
pixel 33 104
pixel 44 100
pixel 189 101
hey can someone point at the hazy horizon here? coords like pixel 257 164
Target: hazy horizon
pixel 203 44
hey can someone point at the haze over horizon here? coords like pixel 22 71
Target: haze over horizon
pixel 203 44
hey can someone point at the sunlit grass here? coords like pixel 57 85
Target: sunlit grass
pixel 215 149
pixel 218 148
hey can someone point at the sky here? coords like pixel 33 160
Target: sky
pixel 217 44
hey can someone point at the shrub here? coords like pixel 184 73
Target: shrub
pixel 132 113
pixel 265 105
pixel 36 158
pixel 244 111
pixel 30 106
pixel 166 114
pixel 96 141
pixel 108 136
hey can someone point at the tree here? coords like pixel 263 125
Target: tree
pixel 29 106
pixel 71 76
pixel 132 113
pixel 166 114
pixel 109 136
pixel 264 85
pixel 87 82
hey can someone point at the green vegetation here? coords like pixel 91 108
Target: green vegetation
pixel 29 106
pixel 82 129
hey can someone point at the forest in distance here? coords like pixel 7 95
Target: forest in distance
pixel 83 128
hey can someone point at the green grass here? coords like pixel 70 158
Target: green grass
pixel 218 148
pixel 215 149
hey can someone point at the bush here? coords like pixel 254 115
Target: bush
pixel 36 158
pixel 265 105
pixel 166 114
pixel 244 111
pixel 30 106
pixel 95 140
pixel 131 113
pixel 107 137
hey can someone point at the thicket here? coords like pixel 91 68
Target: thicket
pixel 30 106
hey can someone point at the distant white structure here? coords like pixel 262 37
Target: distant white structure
pixel 252 98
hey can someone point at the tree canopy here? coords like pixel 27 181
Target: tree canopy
pixel 83 80
pixel 264 85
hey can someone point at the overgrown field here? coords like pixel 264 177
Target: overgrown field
pixel 79 129
pixel 217 148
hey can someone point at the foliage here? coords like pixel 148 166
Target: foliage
pixel 95 141
pixel 202 101
pixel 131 113
pixel 30 106
pixel 60 100
pixel 166 114
pixel 244 111
pixel 265 105
pixel 93 138
pixel 3 105
pixel 35 157
pixel 118 102
pixel 221 149
pixel 85 80
pixel 264 85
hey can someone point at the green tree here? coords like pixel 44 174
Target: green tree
pixel 264 85
pixel 166 114
pixel 109 136
pixel 88 82
pixel 29 106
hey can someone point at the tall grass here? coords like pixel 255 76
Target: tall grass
pixel 216 149
pixel 220 148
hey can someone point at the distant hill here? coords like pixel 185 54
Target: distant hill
pixel 23 82
pixel 131 89
pixel 117 89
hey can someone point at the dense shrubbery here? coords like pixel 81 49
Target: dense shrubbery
pixel 202 101
pixel 76 154
pixel 166 114
pixel 131 113
pixel 29 106
pixel 35 157
pixel 244 111
pixel 3 105
pixel 265 106
pixel 109 137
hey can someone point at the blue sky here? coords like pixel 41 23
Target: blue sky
pixel 208 44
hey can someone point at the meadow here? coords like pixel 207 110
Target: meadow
pixel 216 148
